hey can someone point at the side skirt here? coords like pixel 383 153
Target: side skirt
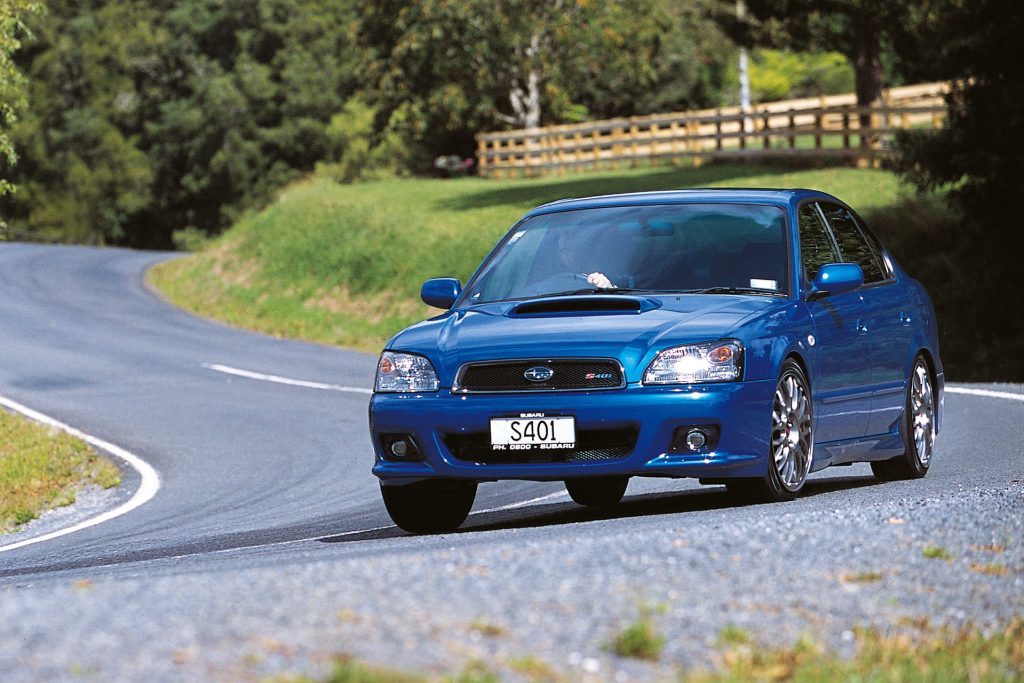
pixel 866 449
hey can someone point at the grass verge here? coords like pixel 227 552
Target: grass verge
pixel 924 655
pixel 640 639
pixel 931 655
pixel 42 468
pixel 342 264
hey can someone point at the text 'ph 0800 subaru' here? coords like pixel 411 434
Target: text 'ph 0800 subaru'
pixel 743 337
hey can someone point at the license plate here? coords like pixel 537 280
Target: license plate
pixel 533 431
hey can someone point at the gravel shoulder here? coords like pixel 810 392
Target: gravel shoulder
pixel 555 592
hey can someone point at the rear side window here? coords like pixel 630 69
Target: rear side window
pixel 816 246
pixel 855 247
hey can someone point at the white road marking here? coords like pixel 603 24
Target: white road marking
pixel 151 480
pixel 523 503
pixel 985 392
pixel 500 508
pixel 355 532
pixel 147 489
pixel 228 370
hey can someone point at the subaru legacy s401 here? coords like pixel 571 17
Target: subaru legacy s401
pixel 742 337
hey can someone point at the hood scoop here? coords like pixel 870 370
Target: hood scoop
pixel 583 305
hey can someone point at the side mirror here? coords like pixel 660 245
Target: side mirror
pixel 836 278
pixel 441 292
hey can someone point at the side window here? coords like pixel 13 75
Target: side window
pixel 854 246
pixel 816 246
pixel 875 245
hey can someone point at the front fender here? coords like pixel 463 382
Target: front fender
pixel 769 340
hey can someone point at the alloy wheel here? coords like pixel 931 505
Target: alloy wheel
pixel 792 445
pixel 922 412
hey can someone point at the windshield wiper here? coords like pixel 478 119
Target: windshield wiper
pixel 596 290
pixel 737 290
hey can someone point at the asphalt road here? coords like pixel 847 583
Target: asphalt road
pixel 267 549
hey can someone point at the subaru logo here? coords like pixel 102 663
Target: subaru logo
pixel 539 373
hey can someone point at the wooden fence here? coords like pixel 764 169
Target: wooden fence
pixel 829 128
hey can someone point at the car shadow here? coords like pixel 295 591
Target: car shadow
pixel 642 505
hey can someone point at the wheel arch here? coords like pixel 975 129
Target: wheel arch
pixel 802 362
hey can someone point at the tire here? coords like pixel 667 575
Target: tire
pixel 918 429
pixel 790 443
pixel 429 507
pixel 597 490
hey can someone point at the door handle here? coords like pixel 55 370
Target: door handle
pixel 862 327
pixel 904 318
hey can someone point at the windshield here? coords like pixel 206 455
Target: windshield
pixel 720 248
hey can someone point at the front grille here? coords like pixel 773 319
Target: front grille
pixel 567 375
pixel 591 446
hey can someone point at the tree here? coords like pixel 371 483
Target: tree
pixel 12 96
pixel 976 159
pixel 151 116
pixel 866 31
pixel 444 71
pixel 977 153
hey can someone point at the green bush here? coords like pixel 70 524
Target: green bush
pixel 782 74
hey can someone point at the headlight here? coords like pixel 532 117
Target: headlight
pixel 398 372
pixel 720 361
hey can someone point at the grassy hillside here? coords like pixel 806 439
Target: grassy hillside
pixel 342 264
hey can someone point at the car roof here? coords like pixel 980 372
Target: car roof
pixel 767 196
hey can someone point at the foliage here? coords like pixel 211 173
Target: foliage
pixel 878 36
pixel 977 154
pixel 640 639
pixel 12 96
pixel 929 656
pixel 975 159
pixel 455 68
pixel 343 264
pixel 355 150
pixel 784 74
pixel 936 552
pixel 152 117
pixel 149 117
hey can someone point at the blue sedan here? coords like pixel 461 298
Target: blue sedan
pixel 742 337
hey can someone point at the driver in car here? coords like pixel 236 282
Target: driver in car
pixel 579 261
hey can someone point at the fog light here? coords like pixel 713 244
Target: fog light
pixel 695 439
pixel 399 447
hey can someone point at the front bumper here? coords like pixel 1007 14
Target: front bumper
pixel 741 411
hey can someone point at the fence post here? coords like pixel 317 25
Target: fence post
pixel 846 128
pixel 718 130
pixel 792 129
pixel 618 132
pixel 693 132
pixel 766 128
pixel 633 146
